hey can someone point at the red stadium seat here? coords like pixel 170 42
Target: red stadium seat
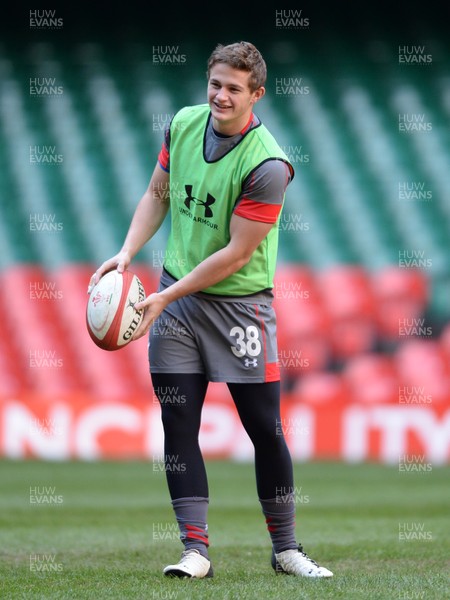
pixel 301 323
pixel 321 388
pixel 400 294
pixel 371 378
pixel 445 341
pixel 424 369
pixel 351 336
pixel 346 294
pixel 47 360
pixel 14 371
pixel 303 343
pixel 294 282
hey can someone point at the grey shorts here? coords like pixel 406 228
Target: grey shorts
pixel 226 339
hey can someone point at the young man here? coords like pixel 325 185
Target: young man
pixel 213 316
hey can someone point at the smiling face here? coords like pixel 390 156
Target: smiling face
pixel 230 98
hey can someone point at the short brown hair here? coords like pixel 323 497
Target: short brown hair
pixel 243 56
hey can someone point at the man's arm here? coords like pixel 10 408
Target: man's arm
pixel 147 219
pixel 149 214
pixel 245 235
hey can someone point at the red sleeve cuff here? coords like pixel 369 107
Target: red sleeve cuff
pixel 163 157
pixel 258 211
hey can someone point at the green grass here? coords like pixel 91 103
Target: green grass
pixel 101 533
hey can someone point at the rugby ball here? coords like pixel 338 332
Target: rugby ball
pixel 111 318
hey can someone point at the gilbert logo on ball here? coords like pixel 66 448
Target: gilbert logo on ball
pixel 111 318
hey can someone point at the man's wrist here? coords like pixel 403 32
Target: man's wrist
pixel 167 296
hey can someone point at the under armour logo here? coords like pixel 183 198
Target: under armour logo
pixel 252 362
pixel 206 204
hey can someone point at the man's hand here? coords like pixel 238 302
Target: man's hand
pixel 153 306
pixel 120 261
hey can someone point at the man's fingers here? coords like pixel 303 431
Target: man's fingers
pixel 92 282
pixel 143 328
pixel 152 307
pixel 95 278
pixel 106 267
pixel 143 304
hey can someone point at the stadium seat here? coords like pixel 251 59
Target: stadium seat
pixel 347 298
pixel 400 294
pixel 371 378
pixel 294 281
pixel 301 324
pixel 345 291
pixel 321 388
pixel 445 342
pixel 424 368
pixel 350 337
pixel 303 343
pixel 14 374
pixel 47 360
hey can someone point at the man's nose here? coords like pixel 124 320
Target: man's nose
pixel 221 94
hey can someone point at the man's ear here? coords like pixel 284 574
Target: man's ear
pixel 258 94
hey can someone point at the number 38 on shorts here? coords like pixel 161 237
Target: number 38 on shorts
pixel 246 342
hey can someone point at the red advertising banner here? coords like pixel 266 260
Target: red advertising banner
pixel 78 426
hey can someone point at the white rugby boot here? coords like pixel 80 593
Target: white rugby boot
pixel 296 562
pixel 192 565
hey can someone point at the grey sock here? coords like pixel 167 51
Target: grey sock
pixel 280 519
pixel 191 515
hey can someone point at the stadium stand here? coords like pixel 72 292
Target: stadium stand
pixel 364 240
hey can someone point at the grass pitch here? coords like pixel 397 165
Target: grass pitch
pixel 98 531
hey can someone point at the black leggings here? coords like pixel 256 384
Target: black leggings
pixel 258 405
